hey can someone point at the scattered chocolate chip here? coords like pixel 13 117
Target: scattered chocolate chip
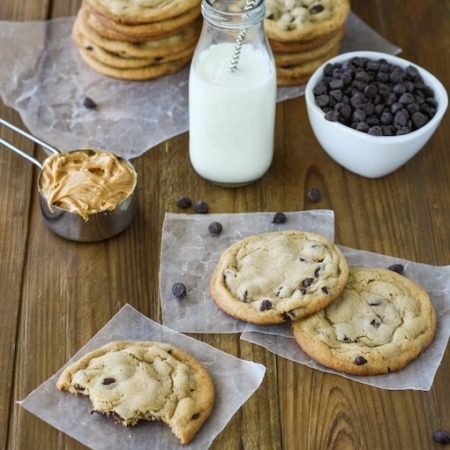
pixel 89 103
pixel 375 323
pixel 279 217
pixel 184 202
pixel 302 290
pixel 442 437
pixel 201 207
pixel 108 381
pixel 79 388
pixel 266 305
pixel 314 194
pixel 215 228
pixel 195 416
pixel 397 268
pixel 324 290
pixel 316 9
pixel 360 360
pixel 307 282
pixel 316 272
pixel 179 290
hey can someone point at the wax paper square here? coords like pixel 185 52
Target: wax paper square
pixel 419 374
pixel 189 254
pixel 235 380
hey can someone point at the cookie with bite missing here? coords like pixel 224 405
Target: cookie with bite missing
pixel 144 380
pixel 278 276
pixel 381 322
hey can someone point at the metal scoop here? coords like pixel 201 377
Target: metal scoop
pixel 69 225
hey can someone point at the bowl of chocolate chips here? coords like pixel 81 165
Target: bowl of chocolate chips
pixel 372 112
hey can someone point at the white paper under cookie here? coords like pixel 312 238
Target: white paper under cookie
pixel 44 79
pixel 235 380
pixel 189 254
pixel 420 373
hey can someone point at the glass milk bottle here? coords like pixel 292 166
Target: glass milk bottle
pixel 232 94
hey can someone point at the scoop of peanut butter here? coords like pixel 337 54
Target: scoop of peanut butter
pixel 86 181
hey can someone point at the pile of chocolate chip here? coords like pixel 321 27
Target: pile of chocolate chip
pixel 375 96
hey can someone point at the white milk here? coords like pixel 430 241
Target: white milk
pixel 231 115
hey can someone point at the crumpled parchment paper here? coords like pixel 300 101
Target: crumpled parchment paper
pixel 44 79
pixel 189 255
pixel 235 380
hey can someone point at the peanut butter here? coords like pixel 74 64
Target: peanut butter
pixel 86 181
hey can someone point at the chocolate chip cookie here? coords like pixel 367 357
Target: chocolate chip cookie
pixel 134 380
pixel 381 322
pixel 274 277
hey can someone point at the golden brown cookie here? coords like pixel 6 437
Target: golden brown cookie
pixel 273 277
pixel 380 323
pixel 166 47
pixel 297 20
pixel 297 74
pixel 135 74
pixel 124 61
pixel 330 46
pixel 144 380
pixel 136 33
pixel 141 11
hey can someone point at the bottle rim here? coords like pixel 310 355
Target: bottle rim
pixel 216 13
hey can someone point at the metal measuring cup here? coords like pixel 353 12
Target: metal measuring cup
pixel 70 225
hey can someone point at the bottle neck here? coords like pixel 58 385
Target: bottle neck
pixel 232 14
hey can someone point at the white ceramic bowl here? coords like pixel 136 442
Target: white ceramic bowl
pixel 359 152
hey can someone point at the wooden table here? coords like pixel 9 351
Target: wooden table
pixel 56 294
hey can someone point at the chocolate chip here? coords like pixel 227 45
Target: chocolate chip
pixel 397 268
pixel 266 305
pixel 371 88
pixel 307 282
pixel 442 437
pixel 316 272
pixel 179 290
pixel 201 207
pixel 324 290
pixel 79 388
pixel 195 416
pixel 375 323
pixel 316 9
pixel 184 202
pixel 108 381
pixel 360 360
pixel 279 217
pixel 89 103
pixel 376 303
pixel 314 194
pixel 215 228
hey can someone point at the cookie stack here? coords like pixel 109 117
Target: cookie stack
pixel 361 321
pixel 137 40
pixel 303 34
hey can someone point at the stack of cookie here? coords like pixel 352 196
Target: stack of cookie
pixel 137 40
pixel 361 321
pixel 303 34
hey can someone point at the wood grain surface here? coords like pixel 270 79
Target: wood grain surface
pixel 56 294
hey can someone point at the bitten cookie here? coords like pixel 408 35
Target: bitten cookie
pixel 274 277
pixel 134 380
pixel 380 323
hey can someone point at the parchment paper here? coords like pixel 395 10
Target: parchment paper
pixel 44 79
pixel 189 253
pixel 235 380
